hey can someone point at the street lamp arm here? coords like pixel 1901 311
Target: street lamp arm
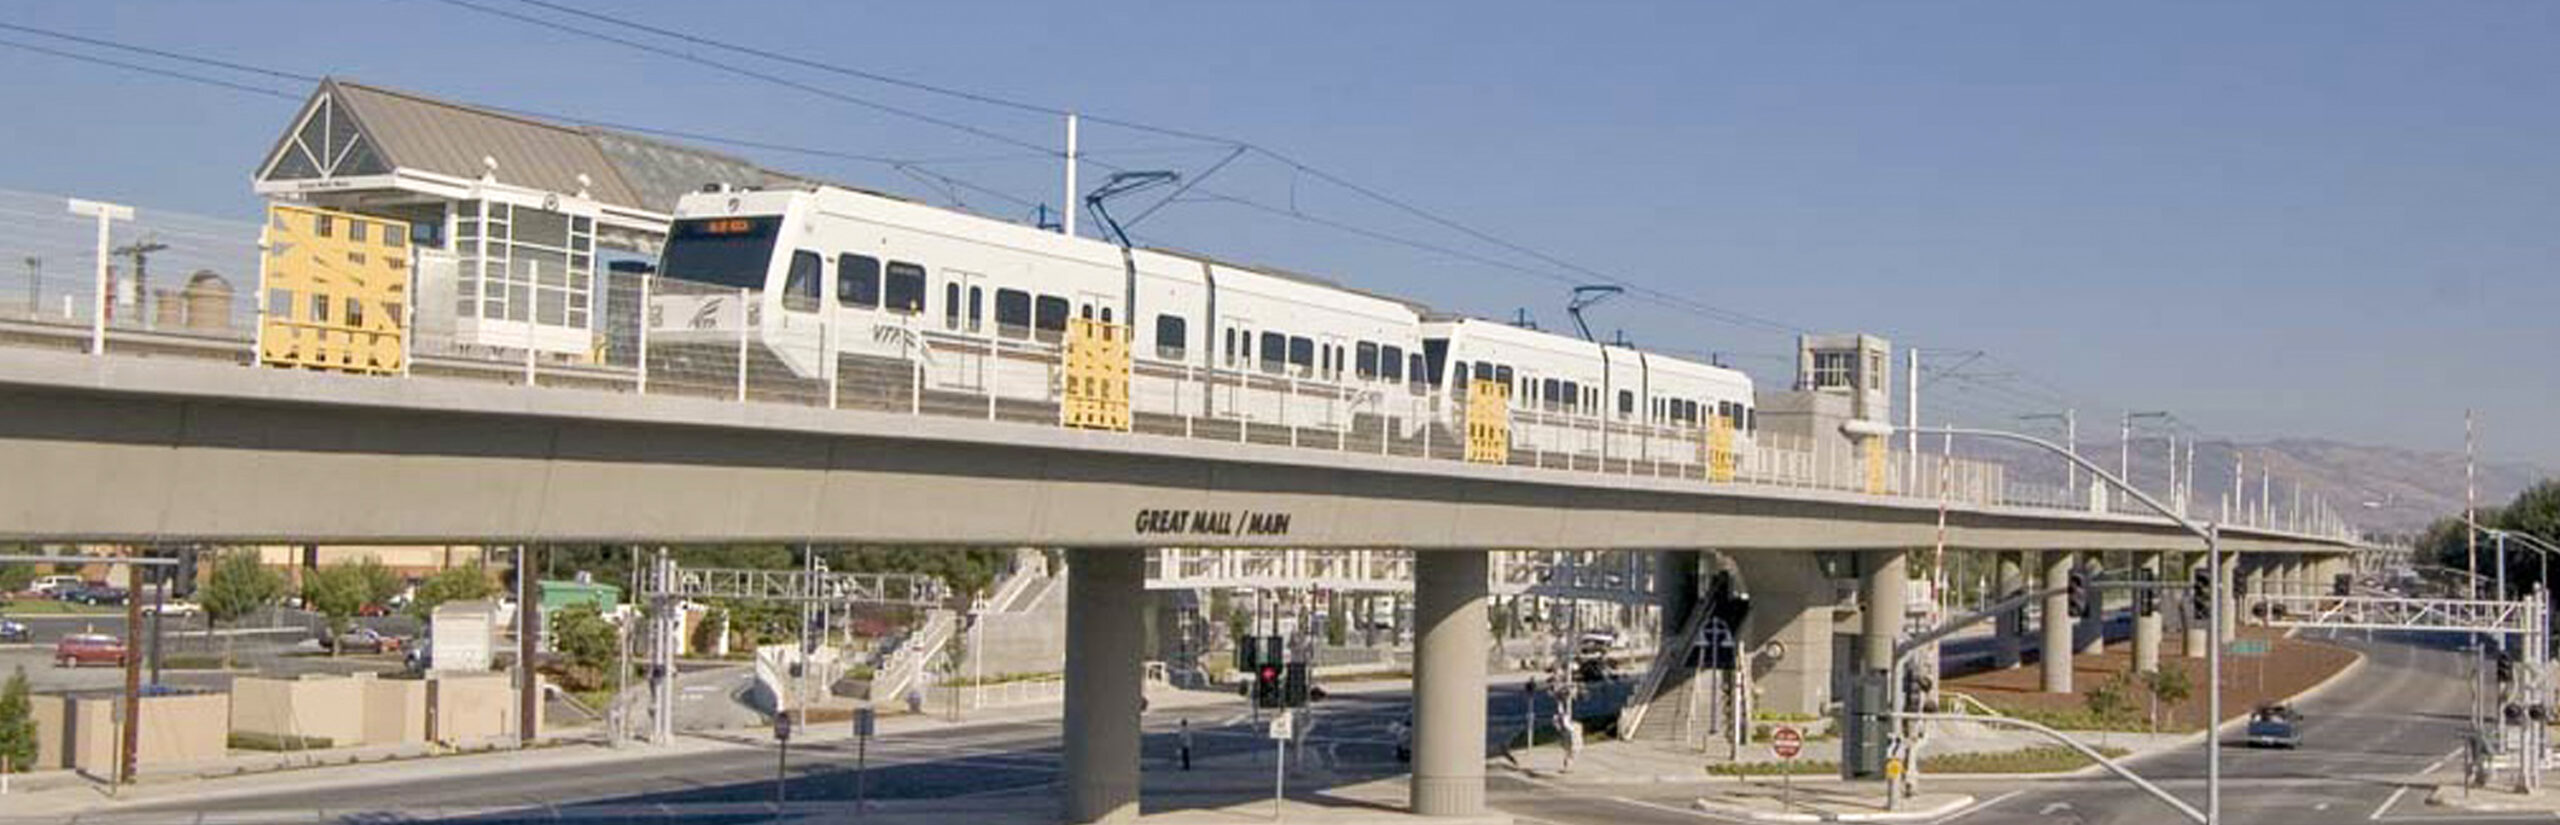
pixel 1869 428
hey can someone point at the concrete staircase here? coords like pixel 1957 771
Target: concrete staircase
pixel 1654 714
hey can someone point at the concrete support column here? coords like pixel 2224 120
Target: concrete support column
pixel 1885 581
pixel 2056 660
pixel 1448 683
pixel 1105 634
pixel 2013 633
pixel 2226 604
pixel 2146 625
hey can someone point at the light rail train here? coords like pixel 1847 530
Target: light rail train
pixel 896 302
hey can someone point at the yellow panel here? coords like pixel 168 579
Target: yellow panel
pixel 1097 367
pixel 337 291
pixel 1489 422
pixel 1875 465
pixel 1720 453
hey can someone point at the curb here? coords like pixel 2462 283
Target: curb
pixel 1960 802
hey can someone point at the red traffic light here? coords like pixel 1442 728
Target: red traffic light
pixel 1270 673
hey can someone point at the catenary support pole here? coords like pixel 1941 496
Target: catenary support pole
pixel 1103 691
pixel 2146 623
pixel 1449 682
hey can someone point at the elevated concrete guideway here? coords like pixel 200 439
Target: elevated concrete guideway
pixel 144 449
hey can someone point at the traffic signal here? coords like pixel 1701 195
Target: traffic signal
pixel 2077 601
pixel 184 586
pixel 1294 685
pixel 1248 653
pixel 1916 685
pixel 2506 667
pixel 2146 599
pixel 2200 595
pixel 2344 584
pixel 1266 685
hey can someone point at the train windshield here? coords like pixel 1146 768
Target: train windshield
pixel 1435 352
pixel 729 252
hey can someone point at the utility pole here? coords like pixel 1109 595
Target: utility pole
pixel 138 288
pixel 1911 421
pixel 2470 505
pixel 528 614
pixel 1067 215
pixel 107 214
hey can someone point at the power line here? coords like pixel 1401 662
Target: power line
pixel 153 70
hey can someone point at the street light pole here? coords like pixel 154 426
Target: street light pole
pixel 2210 532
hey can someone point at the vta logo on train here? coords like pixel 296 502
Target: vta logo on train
pixel 1213 522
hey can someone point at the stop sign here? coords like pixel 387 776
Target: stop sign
pixel 1786 742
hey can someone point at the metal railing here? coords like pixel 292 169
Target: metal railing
pixel 653 335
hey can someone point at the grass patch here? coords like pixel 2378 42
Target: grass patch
pixel 1761 733
pixel 48 607
pixel 1774 716
pixel 1001 678
pixel 246 741
pixel 193 661
pixel 2078 719
pixel 2039 759
pixel 1791 767
pixel 1372 676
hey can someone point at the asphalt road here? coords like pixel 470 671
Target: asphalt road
pixel 2401 713
pixel 1351 738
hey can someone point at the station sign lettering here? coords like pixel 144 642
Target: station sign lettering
pixel 1212 523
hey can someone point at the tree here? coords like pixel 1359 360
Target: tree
pixel 239 584
pixel 17 577
pixel 588 645
pixel 335 592
pixel 17 725
pixel 2107 701
pixel 453 584
pixel 2168 686
pixel 380 583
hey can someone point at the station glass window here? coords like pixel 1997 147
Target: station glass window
pixel 857 281
pixel 904 292
pixel 800 288
pixel 1013 313
pixel 1172 336
pixel 1051 323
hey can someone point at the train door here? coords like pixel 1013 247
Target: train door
pixel 794 336
pixel 1234 361
pixel 960 334
pixel 1334 405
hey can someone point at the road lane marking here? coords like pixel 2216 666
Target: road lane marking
pixel 1970 810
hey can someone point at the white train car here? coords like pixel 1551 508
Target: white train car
pixel 979 307
pixel 1575 403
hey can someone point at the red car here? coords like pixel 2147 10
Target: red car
pixel 86 648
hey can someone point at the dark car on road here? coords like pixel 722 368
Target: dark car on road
pixel 93 594
pixel 2275 726
pixel 362 640
pixel 88 648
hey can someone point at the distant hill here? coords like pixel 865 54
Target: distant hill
pixel 2381 489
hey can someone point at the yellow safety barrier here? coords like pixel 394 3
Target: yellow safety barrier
pixel 1875 465
pixel 334 291
pixel 1489 422
pixel 1720 453
pixel 1097 367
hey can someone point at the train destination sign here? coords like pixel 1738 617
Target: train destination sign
pixel 1212 523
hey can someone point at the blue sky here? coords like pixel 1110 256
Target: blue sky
pixel 2330 219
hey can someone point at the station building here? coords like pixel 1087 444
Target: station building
pixel 519 224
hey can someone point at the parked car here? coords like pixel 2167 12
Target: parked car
pixel 94 594
pixel 362 640
pixel 2275 726
pixel 12 630
pixel 373 610
pixel 49 585
pixel 173 608
pixel 88 648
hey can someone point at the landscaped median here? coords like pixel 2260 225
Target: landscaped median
pixel 2109 696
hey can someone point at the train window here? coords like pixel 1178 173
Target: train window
pixel 1171 336
pixel 977 306
pixel 1084 311
pixel 1302 353
pixel 1414 370
pixel 1626 403
pixel 1013 313
pixel 1364 360
pixel 951 306
pixel 904 291
pixel 1572 397
pixel 1106 315
pixel 1461 375
pixel 1547 393
pixel 1231 347
pixel 800 288
pixel 1391 363
pixel 1049 321
pixel 1724 410
pixel 1275 347
pixel 1501 372
pixel 1689 411
pixel 857 281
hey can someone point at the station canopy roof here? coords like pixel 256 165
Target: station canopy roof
pixel 350 130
